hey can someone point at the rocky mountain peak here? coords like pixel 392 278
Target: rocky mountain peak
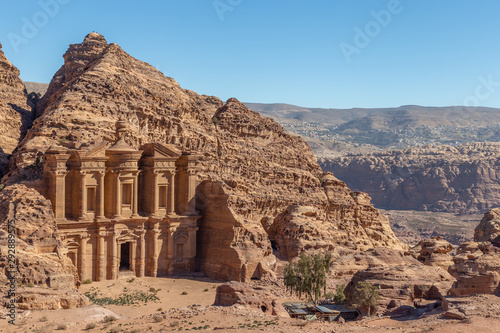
pixel 94 37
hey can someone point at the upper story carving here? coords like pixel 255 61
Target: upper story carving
pixel 110 182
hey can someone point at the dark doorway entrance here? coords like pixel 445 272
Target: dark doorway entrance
pixel 125 257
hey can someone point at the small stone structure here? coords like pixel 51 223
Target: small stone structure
pixel 122 211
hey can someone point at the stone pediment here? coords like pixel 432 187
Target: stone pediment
pixel 160 150
pixel 96 150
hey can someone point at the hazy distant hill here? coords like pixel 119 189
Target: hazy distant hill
pixel 335 132
pixel 36 87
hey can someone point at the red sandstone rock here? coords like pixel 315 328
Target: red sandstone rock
pixel 477 269
pixel 433 252
pixel 489 227
pixel 402 282
pixel 15 110
pixel 254 297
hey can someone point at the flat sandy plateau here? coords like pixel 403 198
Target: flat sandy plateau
pixel 185 304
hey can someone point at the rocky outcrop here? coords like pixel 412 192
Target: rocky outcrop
pixel 402 282
pixel 15 110
pixel 461 179
pixel 253 297
pixel 31 215
pixel 433 252
pixel 489 227
pixel 251 171
pixel 49 299
pixel 477 269
pixel 347 262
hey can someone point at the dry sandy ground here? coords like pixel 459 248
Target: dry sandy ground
pixel 185 305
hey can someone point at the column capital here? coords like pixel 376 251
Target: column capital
pixel 84 235
pixel 58 172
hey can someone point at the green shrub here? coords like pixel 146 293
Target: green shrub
pixel 365 297
pixel 339 296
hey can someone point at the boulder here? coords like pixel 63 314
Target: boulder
pixel 402 284
pixel 253 297
pixel 433 252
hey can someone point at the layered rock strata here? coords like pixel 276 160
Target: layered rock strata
pixel 462 180
pixel 477 269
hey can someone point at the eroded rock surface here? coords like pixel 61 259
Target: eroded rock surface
pixel 477 269
pixel 253 297
pixel 403 282
pixel 15 110
pixel 433 252
pixel 489 227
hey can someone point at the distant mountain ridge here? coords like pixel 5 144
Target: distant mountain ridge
pixel 338 132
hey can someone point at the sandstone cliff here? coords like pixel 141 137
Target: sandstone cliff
pixel 463 179
pixel 15 110
pixel 251 171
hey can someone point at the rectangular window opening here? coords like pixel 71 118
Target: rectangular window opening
pixel 162 194
pixel 91 199
pixel 127 194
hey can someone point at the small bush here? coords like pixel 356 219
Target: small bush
pixel 131 280
pixel 2 186
pixel 157 319
pixel 184 293
pixel 90 326
pixel 62 327
pixel 87 281
pixel 30 285
pixel 206 289
pixel 174 323
pixel 339 294
pixel 109 319
pixel 159 309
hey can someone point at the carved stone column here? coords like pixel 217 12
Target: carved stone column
pixel 153 259
pixel 136 196
pixel 83 261
pixel 142 248
pixel 171 192
pixel 101 267
pixel 83 195
pixel 170 248
pixel 59 205
pixel 191 191
pixel 55 172
pixel 118 196
pixel 114 256
pixel 100 187
pixel 156 203
pixel 133 256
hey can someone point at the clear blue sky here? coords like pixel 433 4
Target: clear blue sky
pixel 427 52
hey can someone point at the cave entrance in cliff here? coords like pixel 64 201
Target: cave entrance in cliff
pixel 125 256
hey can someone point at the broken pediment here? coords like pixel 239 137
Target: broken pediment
pixel 160 150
